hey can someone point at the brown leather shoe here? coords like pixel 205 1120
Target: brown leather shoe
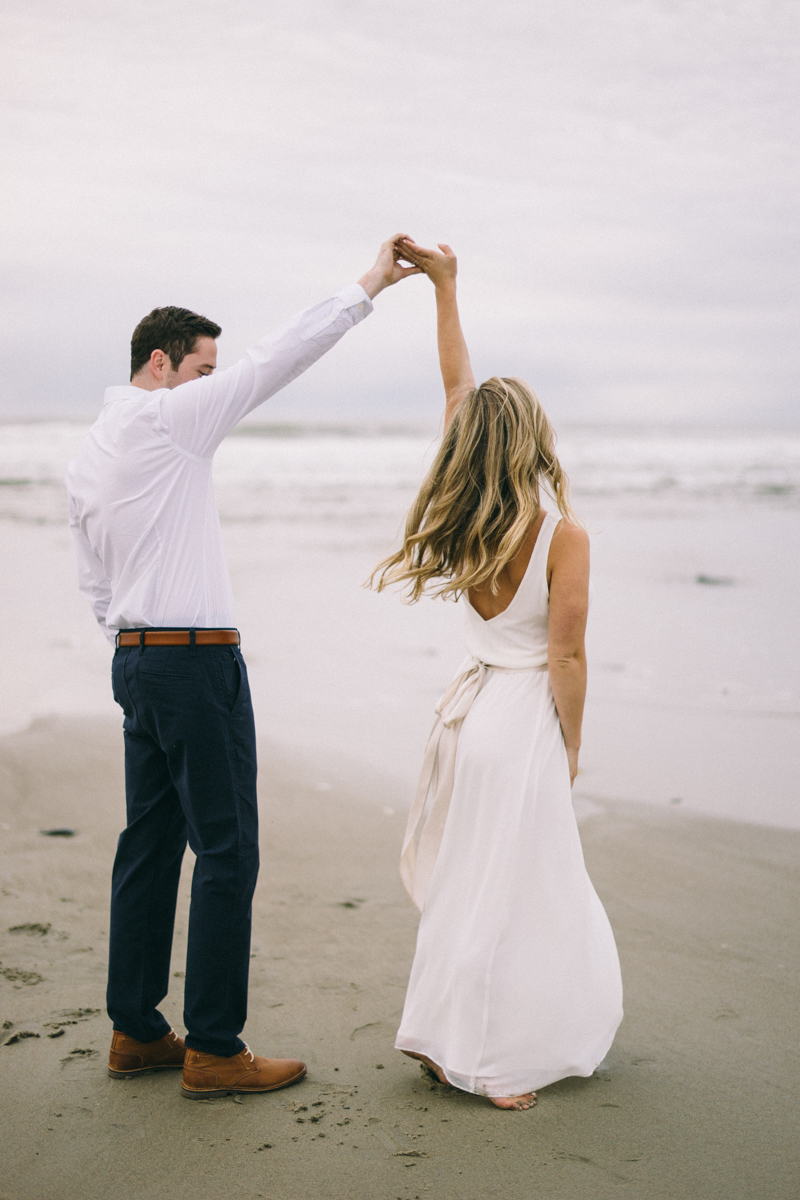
pixel 128 1057
pixel 206 1075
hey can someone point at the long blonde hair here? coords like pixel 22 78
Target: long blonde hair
pixel 481 495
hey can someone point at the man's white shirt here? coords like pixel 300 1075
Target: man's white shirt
pixel 141 501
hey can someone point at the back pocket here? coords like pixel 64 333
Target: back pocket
pixel 163 662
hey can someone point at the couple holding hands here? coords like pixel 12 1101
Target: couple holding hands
pixel 515 981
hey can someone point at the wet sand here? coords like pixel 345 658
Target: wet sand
pixel 697 1098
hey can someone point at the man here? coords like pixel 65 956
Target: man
pixel 152 565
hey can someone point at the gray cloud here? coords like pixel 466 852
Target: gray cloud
pixel 616 178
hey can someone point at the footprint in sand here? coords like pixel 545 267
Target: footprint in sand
pixel 78 1057
pixel 19 1036
pixel 18 977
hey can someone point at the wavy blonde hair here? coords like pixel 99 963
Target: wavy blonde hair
pixel 481 495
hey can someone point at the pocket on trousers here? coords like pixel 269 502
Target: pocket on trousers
pixel 119 686
pixel 166 663
pixel 229 679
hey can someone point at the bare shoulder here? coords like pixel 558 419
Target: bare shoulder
pixel 569 540
pixel 568 559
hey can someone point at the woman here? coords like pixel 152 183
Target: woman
pixel 515 982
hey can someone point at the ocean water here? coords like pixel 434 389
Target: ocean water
pixel 694 632
pixel 266 469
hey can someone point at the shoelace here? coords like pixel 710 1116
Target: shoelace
pixel 246 1050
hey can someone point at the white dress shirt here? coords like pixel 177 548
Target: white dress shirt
pixel 141 502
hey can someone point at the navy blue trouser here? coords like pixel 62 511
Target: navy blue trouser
pixel 190 772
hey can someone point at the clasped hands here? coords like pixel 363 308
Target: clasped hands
pixel 440 266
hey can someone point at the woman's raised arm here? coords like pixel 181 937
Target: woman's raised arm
pixel 454 361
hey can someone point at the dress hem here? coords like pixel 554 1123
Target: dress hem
pixel 542 1077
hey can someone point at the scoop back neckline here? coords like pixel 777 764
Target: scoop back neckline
pixel 520 585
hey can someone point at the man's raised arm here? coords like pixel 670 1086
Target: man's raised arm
pixel 197 415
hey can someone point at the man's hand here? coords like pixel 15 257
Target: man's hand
pixel 439 267
pixel 387 269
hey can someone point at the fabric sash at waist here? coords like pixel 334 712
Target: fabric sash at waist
pixel 424 830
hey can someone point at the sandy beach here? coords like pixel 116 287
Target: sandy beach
pixel 696 1099
pixel 687 804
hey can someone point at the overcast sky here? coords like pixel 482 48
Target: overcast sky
pixel 619 180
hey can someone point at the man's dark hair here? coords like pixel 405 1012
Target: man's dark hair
pixel 173 330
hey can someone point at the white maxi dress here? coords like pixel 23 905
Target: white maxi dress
pixel 516 981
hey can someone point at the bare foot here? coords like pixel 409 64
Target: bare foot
pixel 517 1102
pixel 430 1064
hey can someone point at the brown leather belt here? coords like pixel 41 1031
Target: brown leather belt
pixel 178 637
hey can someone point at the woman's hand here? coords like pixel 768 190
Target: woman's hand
pixel 440 268
pixel 387 269
pixel 572 759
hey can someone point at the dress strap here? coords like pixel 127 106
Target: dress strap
pixel 542 548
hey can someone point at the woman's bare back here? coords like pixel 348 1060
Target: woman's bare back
pixel 488 604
